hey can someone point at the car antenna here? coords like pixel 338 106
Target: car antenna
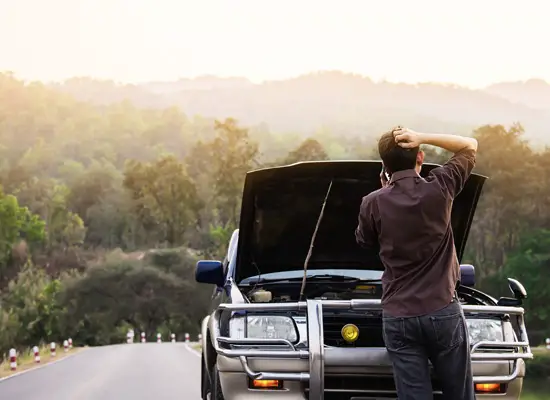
pixel 312 242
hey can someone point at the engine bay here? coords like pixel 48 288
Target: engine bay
pixel 289 293
pixel 266 293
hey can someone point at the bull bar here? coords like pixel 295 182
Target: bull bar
pixel 320 355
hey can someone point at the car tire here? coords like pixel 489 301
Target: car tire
pixel 216 386
pixel 205 381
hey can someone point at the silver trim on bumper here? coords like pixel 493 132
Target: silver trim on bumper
pixel 319 355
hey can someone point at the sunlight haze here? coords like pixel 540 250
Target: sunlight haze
pixel 472 43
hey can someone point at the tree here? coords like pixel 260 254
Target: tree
pixel 16 224
pixel 530 264
pixel 163 195
pixel 126 291
pixel 231 154
pixel 32 298
pixel 309 150
pixel 505 208
pixel 64 228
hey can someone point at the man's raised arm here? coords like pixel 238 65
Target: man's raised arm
pixel 454 174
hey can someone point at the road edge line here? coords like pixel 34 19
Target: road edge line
pixel 192 350
pixel 40 366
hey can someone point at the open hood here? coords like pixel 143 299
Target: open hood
pixel 281 206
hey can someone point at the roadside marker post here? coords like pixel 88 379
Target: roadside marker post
pixel 173 338
pixel 547 343
pixel 200 337
pixel 143 340
pixel 52 349
pixel 36 352
pixel 186 338
pixel 66 345
pixel 70 343
pixel 13 359
pixel 159 338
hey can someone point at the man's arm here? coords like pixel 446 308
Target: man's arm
pixel 365 233
pixel 454 174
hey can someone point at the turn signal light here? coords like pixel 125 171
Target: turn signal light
pixel 490 388
pixel 267 384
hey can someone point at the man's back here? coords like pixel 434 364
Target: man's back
pixel 412 219
pixel 416 245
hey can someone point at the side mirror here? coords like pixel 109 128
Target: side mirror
pixel 517 289
pixel 209 271
pixel 519 294
pixel 467 275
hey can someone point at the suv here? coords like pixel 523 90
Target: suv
pixel 273 334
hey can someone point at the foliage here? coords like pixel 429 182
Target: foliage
pixel 530 264
pixel 134 293
pixel 16 224
pixel 164 197
pixel 539 366
pixel 31 308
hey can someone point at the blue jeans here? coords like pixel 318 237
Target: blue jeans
pixel 440 337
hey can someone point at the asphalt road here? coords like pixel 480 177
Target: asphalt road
pixel 147 371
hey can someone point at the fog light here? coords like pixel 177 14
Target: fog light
pixel 350 333
pixel 490 388
pixel 267 384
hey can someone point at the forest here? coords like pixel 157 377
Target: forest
pixel 105 208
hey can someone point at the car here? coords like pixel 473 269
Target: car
pixel 271 333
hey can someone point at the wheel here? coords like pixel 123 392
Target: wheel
pixel 216 386
pixel 205 381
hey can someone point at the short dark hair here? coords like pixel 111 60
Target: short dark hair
pixel 395 157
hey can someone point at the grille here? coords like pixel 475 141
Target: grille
pixel 370 330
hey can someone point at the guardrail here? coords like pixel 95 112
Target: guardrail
pixel 320 355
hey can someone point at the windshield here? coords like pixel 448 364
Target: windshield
pixel 293 274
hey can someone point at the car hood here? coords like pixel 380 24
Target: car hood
pixel 281 205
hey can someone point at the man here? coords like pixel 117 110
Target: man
pixel 409 220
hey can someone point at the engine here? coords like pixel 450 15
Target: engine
pixel 316 292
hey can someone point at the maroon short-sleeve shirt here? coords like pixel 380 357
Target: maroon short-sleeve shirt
pixel 410 222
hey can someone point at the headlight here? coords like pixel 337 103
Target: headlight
pixel 485 329
pixel 263 327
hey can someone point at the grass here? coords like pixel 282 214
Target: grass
pixel 197 346
pixel 25 360
pixel 540 350
pixel 535 389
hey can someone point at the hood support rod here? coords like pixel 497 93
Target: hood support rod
pixel 312 243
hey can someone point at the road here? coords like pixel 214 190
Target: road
pixel 147 371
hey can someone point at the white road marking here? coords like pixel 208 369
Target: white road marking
pixel 38 367
pixel 192 350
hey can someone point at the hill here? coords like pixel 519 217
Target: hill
pixel 346 104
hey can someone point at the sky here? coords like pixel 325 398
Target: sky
pixel 468 42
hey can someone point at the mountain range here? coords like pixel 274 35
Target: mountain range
pixel 343 103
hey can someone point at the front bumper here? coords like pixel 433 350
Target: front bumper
pixel 305 370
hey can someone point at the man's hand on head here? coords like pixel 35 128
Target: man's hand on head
pixel 407 138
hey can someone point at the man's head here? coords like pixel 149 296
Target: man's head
pixel 395 157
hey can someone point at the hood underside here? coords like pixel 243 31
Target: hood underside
pixel 281 206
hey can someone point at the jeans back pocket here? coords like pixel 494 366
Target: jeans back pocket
pixel 393 332
pixel 449 330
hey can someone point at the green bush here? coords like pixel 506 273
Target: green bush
pixel 539 366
